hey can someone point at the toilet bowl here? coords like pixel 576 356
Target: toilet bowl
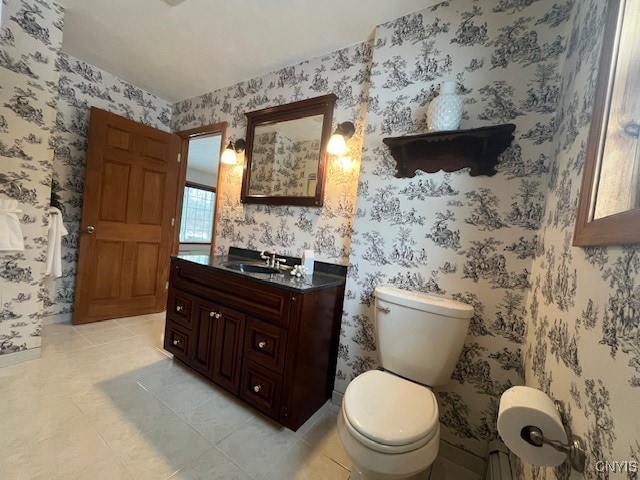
pixel 388 422
pixel 388 426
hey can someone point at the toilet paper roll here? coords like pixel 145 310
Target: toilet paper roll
pixel 521 407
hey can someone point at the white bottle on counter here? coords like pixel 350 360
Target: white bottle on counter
pixel 307 261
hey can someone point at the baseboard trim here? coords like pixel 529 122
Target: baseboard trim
pixel 463 458
pixel 336 397
pixel 59 318
pixel 9 359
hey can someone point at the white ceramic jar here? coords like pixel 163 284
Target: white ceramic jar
pixel 445 111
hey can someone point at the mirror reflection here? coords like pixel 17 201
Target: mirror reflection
pixel 285 153
pixel 609 206
pixel 285 157
pixel 617 189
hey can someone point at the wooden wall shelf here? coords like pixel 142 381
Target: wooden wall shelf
pixel 477 148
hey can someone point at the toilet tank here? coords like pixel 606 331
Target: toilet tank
pixel 419 336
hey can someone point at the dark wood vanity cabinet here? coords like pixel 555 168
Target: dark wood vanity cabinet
pixel 206 336
pixel 273 347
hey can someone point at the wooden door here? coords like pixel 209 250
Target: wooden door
pixel 129 206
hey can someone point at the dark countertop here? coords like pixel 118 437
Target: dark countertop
pixel 306 283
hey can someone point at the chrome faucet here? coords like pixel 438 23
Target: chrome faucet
pixel 272 259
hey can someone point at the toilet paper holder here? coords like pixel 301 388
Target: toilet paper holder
pixel 574 449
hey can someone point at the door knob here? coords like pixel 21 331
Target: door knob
pixel 91 229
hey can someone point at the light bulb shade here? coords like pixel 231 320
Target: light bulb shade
pixel 229 155
pixel 337 145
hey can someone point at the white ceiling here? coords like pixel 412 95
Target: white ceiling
pixel 178 52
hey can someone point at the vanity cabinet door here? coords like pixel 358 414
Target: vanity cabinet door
pixel 227 351
pixel 205 315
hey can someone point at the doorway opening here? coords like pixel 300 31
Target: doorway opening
pixel 197 206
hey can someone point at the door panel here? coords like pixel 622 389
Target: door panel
pixel 129 201
pixel 117 138
pixel 146 270
pixel 152 191
pixel 110 257
pixel 113 200
pixel 154 149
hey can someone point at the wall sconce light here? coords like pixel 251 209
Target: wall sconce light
pixel 229 154
pixel 346 163
pixel 338 142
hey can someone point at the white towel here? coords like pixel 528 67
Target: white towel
pixel 54 245
pixel 10 232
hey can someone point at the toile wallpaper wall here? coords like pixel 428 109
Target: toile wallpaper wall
pixel 82 86
pixel 281 165
pixel 45 97
pixel 30 38
pixel 470 238
pixel 582 345
pixel 289 230
pixel 552 316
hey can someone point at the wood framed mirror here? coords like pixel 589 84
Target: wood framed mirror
pixel 609 207
pixel 285 156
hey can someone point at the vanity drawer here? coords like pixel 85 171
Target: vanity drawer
pixel 265 344
pixel 261 388
pixel 177 340
pixel 179 307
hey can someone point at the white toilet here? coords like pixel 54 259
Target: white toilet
pixel 389 421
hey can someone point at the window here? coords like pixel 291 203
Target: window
pixel 198 205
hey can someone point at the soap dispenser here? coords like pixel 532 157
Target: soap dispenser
pixel 308 261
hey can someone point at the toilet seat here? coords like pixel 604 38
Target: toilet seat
pixel 390 414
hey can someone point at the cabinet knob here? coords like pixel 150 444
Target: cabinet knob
pixel 218 315
pixel 262 343
pixel 212 314
pixel 257 388
pixel 179 308
pixel 176 342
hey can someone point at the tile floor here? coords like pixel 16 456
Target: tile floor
pixel 105 402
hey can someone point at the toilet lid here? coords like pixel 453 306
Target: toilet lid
pixel 390 410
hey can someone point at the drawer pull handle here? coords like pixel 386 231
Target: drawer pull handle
pixel 262 343
pixel 257 388
pixel 177 342
pixel 179 308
